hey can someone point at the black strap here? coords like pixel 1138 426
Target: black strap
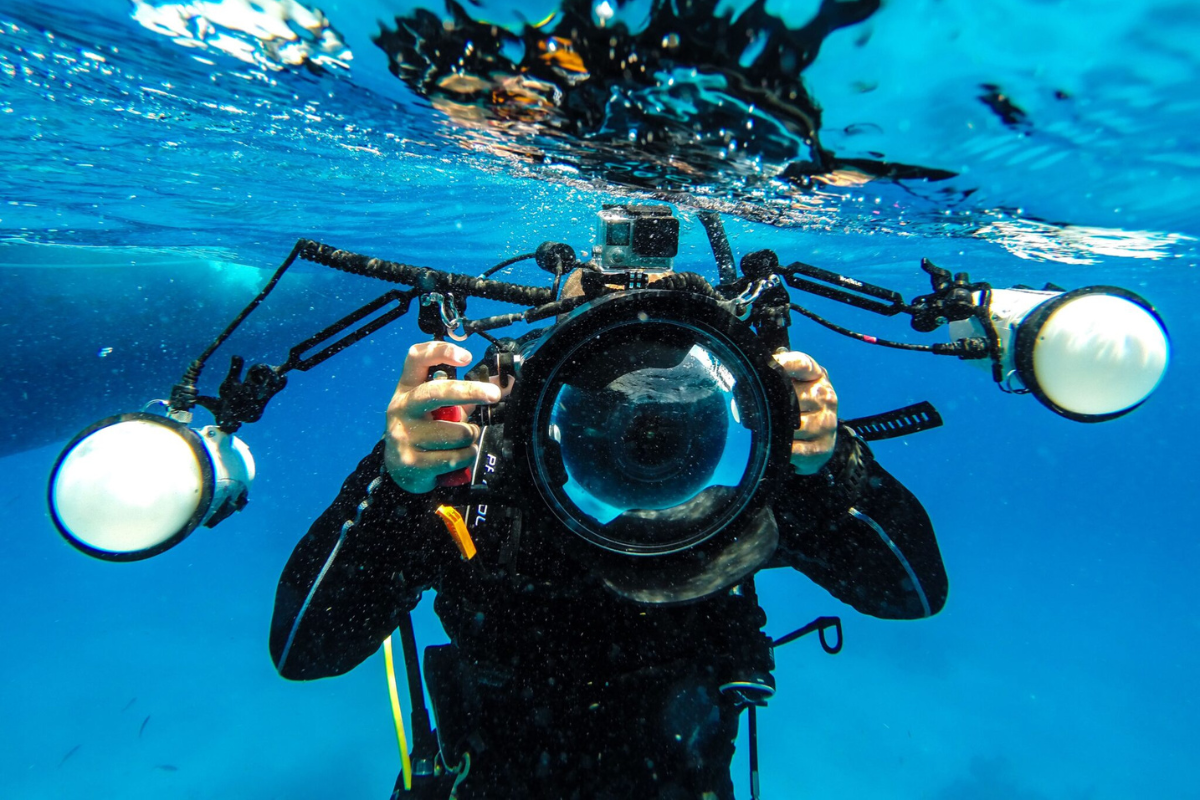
pixel 752 726
pixel 424 743
pixel 722 252
pixel 901 422
pixel 820 625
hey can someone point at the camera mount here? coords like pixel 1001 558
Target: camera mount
pixel 757 296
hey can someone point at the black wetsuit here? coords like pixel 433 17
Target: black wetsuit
pixel 557 687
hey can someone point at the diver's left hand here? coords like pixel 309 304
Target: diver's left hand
pixel 816 431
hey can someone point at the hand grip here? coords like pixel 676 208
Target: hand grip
pixel 459 477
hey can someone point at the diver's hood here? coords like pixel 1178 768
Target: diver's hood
pixel 655 426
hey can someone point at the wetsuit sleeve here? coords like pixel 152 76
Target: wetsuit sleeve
pixel 363 563
pixel 859 533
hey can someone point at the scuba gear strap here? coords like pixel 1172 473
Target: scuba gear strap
pixel 820 625
pixel 397 717
pixel 423 764
pixel 421 773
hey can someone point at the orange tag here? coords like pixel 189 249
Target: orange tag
pixel 458 531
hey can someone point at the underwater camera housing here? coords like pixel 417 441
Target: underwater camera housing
pixel 649 419
pixel 641 237
pixel 656 427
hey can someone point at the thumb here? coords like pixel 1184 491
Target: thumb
pixel 800 366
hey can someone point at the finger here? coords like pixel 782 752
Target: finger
pixel 429 464
pixel 814 427
pixel 507 388
pixel 441 435
pixel 818 448
pixel 800 366
pixel 807 404
pixel 809 457
pixel 423 355
pixel 816 396
pixel 505 391
pixel 439 394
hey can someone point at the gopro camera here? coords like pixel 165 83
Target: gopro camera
pixel 636 237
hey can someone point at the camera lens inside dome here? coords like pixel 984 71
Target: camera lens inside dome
pixel 644 436
pixel 651 436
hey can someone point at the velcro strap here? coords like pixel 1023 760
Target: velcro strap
pixel 901 422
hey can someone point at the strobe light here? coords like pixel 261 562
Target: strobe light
pixel 132 486
pixel 1090 355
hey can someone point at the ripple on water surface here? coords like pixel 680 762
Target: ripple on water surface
pixel 183 123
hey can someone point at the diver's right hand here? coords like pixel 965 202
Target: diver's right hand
pixel 417 447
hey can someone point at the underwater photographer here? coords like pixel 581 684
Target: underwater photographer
pixel 606 648
pixel 593 501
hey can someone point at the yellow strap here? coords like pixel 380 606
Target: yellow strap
pixel 401 739
pixel 458 531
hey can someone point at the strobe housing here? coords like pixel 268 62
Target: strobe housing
pixel 134 485
pixel 656 427
pixel 1090 355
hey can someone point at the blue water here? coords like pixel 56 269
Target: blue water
pixel 148 189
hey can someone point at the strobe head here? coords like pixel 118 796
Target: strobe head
pixel 135 485
pixel 655 426
pixel 1090 355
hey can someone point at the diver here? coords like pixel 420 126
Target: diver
pixel 560 681
pixel 592 504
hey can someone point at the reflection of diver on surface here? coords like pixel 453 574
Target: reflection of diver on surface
pixel 557 682
pixel 608 508
pixel 693 93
